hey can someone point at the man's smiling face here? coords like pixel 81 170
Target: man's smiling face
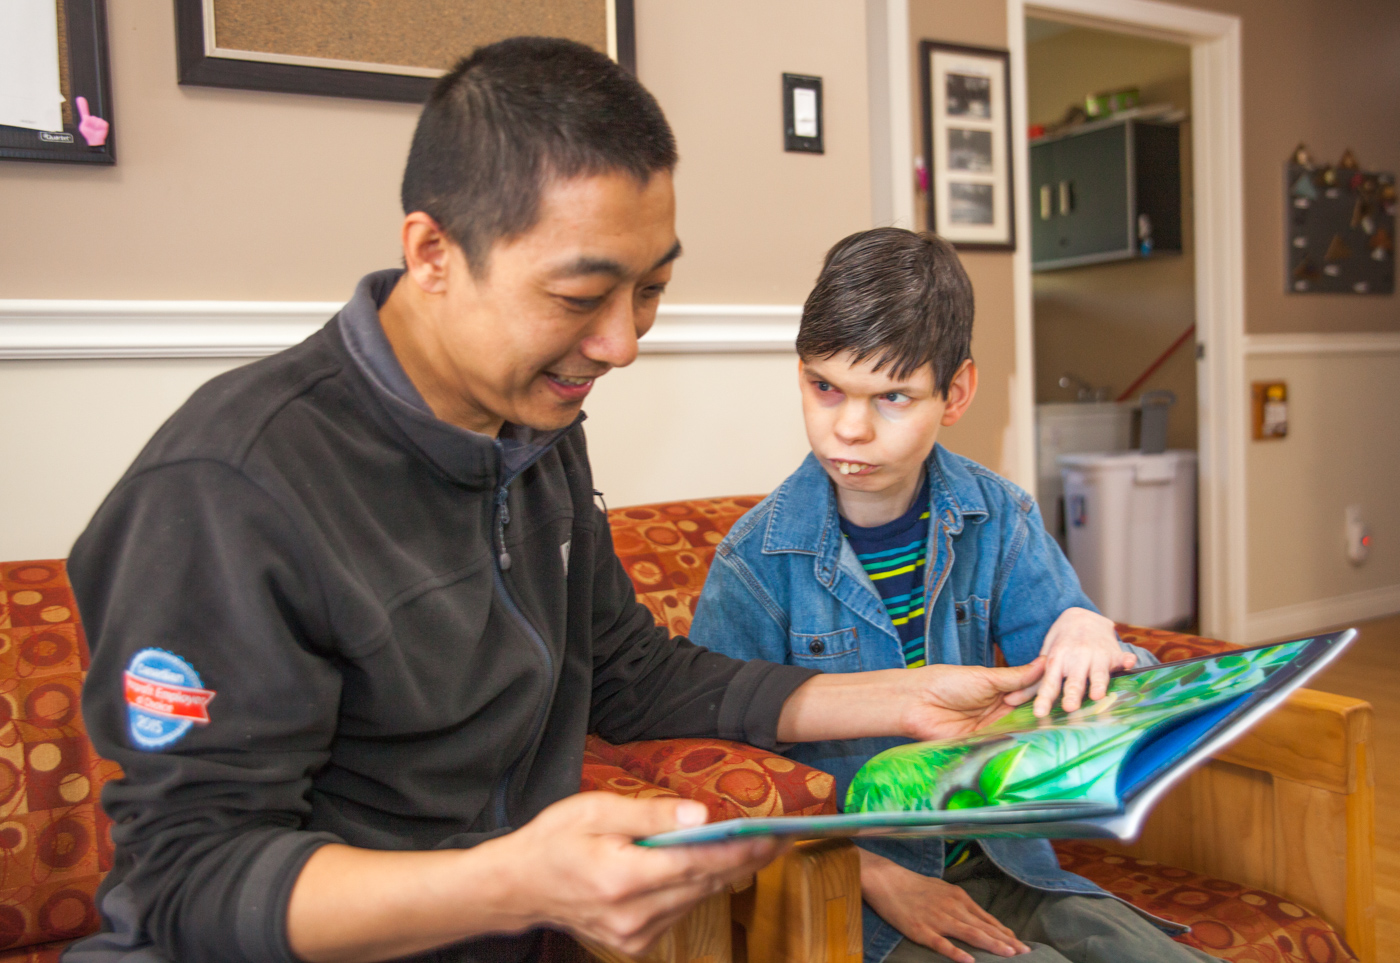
pixel 523 339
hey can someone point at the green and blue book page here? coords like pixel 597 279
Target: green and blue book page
pixel 1094 772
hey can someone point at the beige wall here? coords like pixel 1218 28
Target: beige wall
pixel 243 195
pixel 215 194
pixel 1107 322
pixel 84 423
pixel 1342 449
pixel 1325 74
pixel 982 434
pixel 754 219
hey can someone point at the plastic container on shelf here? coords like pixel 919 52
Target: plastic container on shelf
pixel 1131 532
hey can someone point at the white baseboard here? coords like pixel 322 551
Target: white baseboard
pixel 1294 621
pixel 1356 342
pixel 38 330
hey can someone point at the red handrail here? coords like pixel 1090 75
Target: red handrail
pixel 1157 364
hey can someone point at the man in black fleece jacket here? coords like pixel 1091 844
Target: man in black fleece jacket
pixel 353 608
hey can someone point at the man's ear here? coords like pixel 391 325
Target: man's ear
pixel 426 252
pixel 960 392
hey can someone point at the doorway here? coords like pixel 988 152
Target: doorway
pixel 1103 318
pixel 1113 311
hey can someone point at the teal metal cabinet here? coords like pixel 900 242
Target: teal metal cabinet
pixel 1106 191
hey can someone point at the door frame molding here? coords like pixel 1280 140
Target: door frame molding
pixel 1217 135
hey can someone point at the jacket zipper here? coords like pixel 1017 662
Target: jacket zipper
pixel 500 565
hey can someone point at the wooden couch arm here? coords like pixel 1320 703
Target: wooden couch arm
pixel 1288 808
pixel 804 907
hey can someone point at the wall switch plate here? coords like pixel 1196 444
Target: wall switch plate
pixel 1358 536
pixel 802 114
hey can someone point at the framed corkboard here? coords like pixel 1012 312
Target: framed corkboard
pixel 58 101
pixel 374 49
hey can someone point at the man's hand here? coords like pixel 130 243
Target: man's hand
pixel 578 861
pixel 932 702
pixel 928 911
pixel 1081 650
pixel 574 866
pixel 953 700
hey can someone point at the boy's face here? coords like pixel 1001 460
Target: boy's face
pixel 872 432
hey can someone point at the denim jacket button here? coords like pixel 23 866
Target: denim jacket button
pixel 816 648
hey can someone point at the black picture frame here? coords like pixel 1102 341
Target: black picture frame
pixel 198 68
pixel 89 76
pixel 1004 181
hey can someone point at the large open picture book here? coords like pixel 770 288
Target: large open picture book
pixel 1095 772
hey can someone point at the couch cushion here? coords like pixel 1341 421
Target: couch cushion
pixel 667 549
pixel 47 953
pixel 1171 646
pixel 1227 920
pixel 55 841
pixel 730 778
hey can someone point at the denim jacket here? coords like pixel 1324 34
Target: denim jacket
pixel 785 586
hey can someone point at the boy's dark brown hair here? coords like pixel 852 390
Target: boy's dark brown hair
pixel 898 297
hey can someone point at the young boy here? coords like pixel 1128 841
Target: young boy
pixel 885 550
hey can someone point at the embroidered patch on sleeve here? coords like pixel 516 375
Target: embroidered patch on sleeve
pixel 164 698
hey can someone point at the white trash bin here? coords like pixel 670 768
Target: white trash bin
pixel 1130 521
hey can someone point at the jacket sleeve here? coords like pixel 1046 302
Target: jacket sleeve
pixel 648 684
pixel 195 563
pixel 736 616
pixel 1035 585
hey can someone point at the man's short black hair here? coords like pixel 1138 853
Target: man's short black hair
pixel 511 117
pixel 898 297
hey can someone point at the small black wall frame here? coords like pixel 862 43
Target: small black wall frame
pixel 89 75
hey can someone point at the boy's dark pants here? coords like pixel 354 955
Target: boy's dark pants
pixel 1057 927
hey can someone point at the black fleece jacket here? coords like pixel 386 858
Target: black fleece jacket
pixel 408 629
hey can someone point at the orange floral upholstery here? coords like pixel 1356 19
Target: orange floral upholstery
pixel 667 549
pixel 1171 646
pixel 55 841
pixel 731 779
pixel 1227 920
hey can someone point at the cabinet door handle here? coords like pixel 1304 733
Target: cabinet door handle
pixel 1046 204
pixel 1066 196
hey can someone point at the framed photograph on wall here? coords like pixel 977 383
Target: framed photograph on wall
pixel 967 141
pixel 374 49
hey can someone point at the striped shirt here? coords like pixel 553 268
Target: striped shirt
pixel 893 555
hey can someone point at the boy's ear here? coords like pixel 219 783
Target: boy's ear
pixel 960 393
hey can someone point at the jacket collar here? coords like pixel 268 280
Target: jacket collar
pixel 467 457
pixel 804 516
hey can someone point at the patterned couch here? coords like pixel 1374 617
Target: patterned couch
pixel 55 842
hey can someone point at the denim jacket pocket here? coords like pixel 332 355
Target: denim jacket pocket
pixel 974 642
pixel 829 651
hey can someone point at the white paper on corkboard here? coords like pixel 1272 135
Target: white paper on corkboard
pixel 29 82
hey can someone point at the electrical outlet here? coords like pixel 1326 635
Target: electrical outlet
pixel 1358 536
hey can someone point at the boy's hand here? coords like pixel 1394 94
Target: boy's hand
pixel 928 911
pixel 1081 650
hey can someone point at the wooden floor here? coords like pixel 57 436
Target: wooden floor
pixel 1371 671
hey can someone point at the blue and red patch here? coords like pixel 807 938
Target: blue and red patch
pixel 164 699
